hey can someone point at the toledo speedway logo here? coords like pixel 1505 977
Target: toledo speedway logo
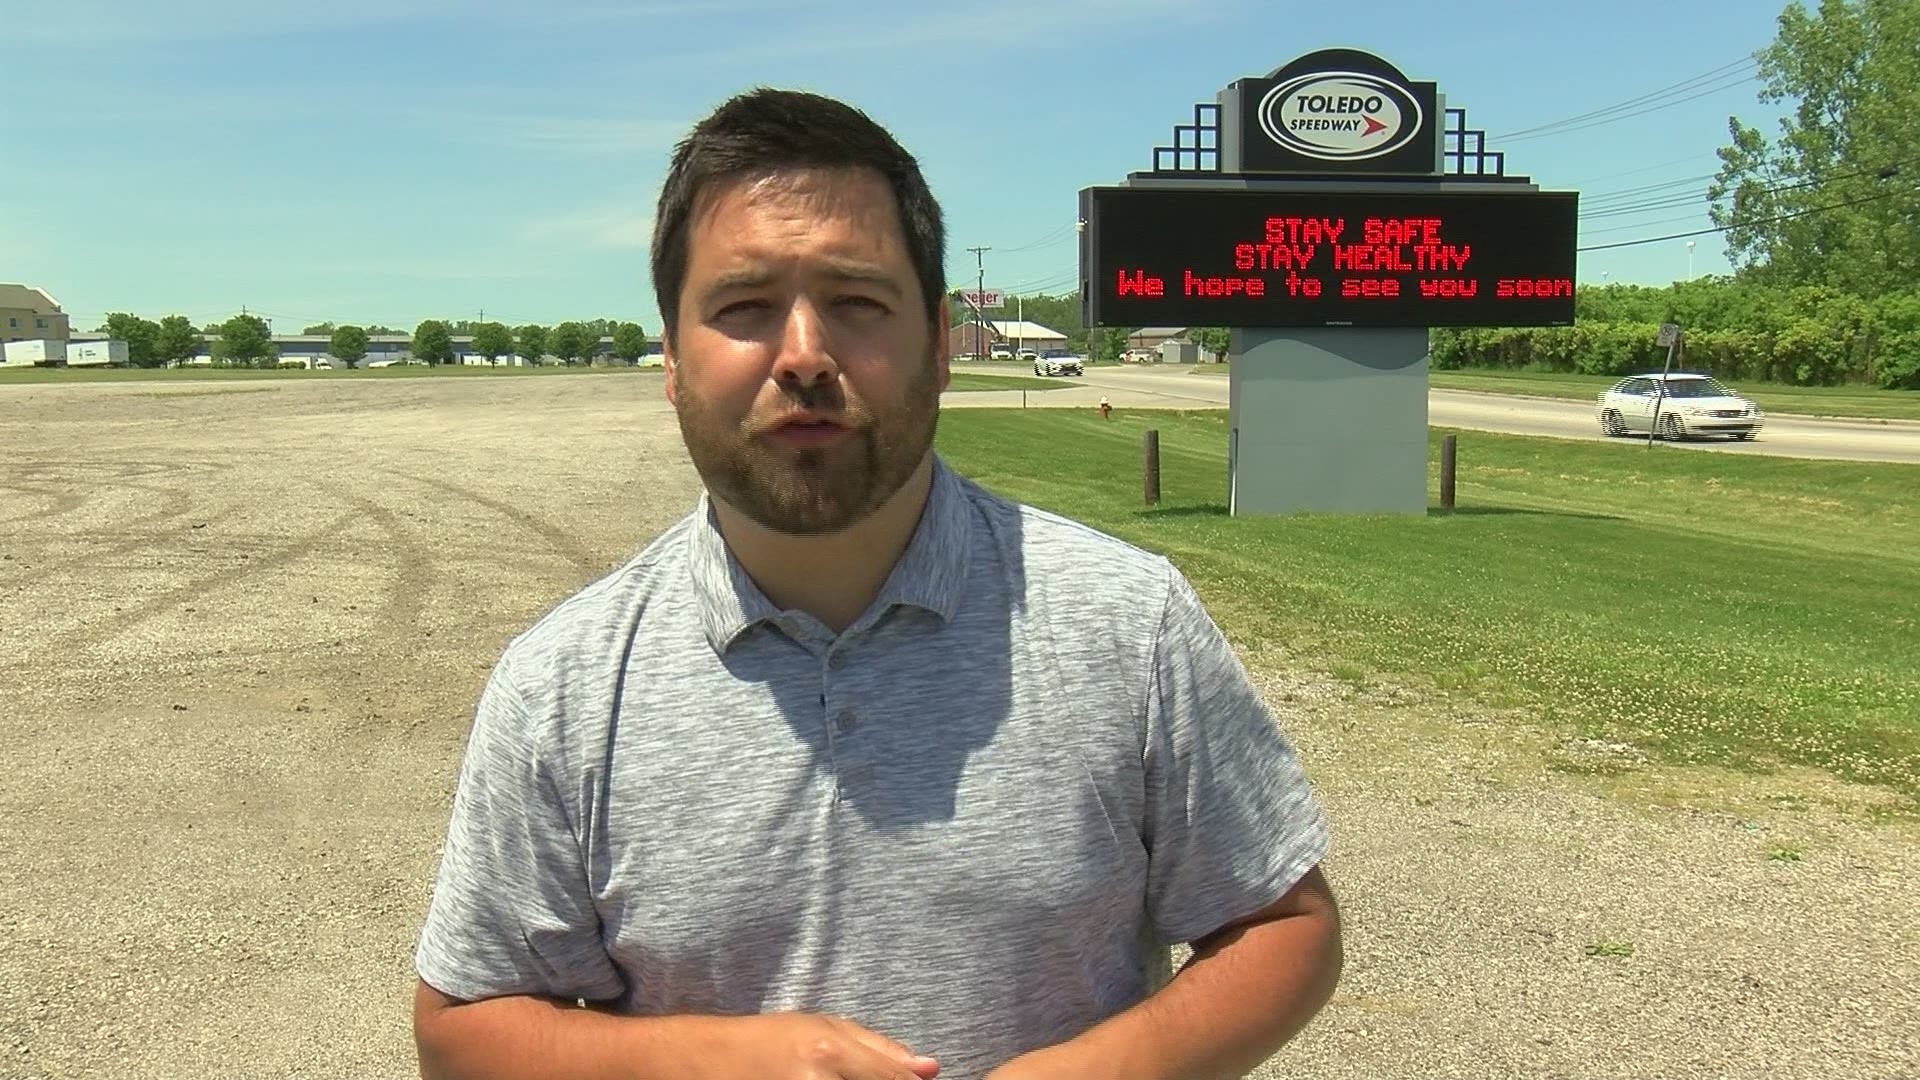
pixel 1340 115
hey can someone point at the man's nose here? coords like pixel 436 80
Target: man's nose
pixel 805 357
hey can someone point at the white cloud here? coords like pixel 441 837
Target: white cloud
pixel 623 225
pixel 98 20
pixel 566 134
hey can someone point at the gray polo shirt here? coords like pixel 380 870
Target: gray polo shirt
pixel 972 822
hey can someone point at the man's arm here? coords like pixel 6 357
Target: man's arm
pixel 523 1037
pixel 507 1038
pixel 1248 988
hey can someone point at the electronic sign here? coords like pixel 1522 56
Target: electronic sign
pixel 1245 257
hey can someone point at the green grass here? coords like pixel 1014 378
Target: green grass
pixel 964 381
pixel 1706 608
pixel 1848 401
pixel 1856 401
pixel 213 374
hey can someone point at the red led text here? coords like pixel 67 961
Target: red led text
pixel 1139 284
pixel 1222 286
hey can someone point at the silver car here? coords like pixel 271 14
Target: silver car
pixel 1676 406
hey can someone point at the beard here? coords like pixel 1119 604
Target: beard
pixel 811 490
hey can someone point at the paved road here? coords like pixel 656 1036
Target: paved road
pixel 1783 436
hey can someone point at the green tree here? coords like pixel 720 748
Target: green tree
pixel 376 328
pixel 433 342
pixel 572 341
pixel 1213 340
pixel 318 328
pixel 629 341
pixel 1833 201
pixel 176 341
pixel 492 340
pixel 530 341
pixel 141 336
pixel 348 344
pixel 1107 343
pixel 245 341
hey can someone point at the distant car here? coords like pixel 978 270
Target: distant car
pixel 1059 365
pixel 1686 405
pixel 1000 352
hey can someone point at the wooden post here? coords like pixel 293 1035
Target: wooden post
pixel 1151 446
pixel 1446 471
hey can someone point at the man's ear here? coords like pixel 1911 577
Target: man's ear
pixel 943 344
pixel 671 365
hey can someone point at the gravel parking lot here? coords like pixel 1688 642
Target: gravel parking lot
pixel 243 625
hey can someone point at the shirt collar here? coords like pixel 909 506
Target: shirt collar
pixel 930 574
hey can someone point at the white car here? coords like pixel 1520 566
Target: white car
pixel 1059 365
pixel 1686 405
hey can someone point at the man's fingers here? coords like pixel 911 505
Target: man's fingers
pixel 919 1064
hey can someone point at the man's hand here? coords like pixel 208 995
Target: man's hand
pixel 808 1046
pixel 532 1038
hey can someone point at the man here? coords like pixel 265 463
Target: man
pixel 860 771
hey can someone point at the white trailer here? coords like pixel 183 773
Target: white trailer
pixel 96 354
pixel 34 353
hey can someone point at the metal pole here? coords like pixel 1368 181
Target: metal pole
pixel 980 304
pixel 1151 446
pixel 1446 471
pixel 1660 394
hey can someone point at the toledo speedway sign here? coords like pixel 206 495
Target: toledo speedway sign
pixel 1336 110
pixel 1340 116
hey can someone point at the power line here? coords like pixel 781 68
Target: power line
pixel 1708 92
pixel 1641 169
pixel 1747 224
pixel 1739 71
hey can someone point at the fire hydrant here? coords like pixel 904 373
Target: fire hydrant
pixel 1106 410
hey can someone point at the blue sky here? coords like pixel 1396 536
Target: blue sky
pixel 384 161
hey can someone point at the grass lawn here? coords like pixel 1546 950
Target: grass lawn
pixel 966 380
pixel 962 381
pixel 1852 401
pixel 1738 610
pixel 212 374
pixel 1803 400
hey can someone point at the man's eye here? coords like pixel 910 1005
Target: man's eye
pixel 741 307
pixel 867 302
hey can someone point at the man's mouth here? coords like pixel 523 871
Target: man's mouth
pixel 807 431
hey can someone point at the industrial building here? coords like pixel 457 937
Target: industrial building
pixel 29 314
pixel 979 338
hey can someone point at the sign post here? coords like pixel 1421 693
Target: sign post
pixel 1328 213
pixel 1670 336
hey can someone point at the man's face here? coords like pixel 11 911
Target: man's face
pixel 804 371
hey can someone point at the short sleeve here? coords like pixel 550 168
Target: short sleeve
pixel 512 909
pixel 1231 822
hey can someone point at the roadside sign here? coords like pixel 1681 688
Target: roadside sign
pixel 988 298
pixel 1669 333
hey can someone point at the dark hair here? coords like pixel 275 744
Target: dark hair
pixel 764 131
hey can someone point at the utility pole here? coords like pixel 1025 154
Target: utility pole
pixel 979 305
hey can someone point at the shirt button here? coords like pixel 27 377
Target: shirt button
pixel 845 722
pixel 837 661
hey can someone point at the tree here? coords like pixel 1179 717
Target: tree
pixel 530 341
pixel 572 341
pixel 433 342
pixel 140 335
pixel 319 328
pixel 1834 201
pixel 492 340
pixel 176 341
pixel 1211 339
pixel 246 341
pixel 629 342
pixel 348 344
pixel 1107 343
pixel 376 328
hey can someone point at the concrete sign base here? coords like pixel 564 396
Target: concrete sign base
pixel 1328 420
